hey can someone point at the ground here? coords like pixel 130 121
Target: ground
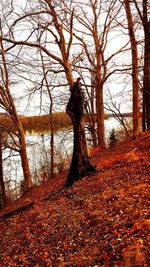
pixel 102 220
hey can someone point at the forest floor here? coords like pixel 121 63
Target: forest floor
pixel 102 220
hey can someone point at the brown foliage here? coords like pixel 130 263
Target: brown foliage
pixel 38 124
pixel 41 124
pixel 135 255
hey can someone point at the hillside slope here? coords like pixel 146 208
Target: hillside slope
pixel 103 220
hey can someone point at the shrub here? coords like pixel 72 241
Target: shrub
pixel 112 138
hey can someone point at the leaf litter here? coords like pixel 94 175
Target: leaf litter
pixel 102 220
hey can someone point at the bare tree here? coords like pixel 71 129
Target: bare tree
pixel 97 20
pixel 51 122
pixel 50 30
pixel 7 103
pixel 135 80
pixel 53 30
pixel 2 182
pixel 144 14
pixel 115 112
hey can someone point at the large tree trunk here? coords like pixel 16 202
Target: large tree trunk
pixel 146 85
pixel 80 165
pixel 135 82
pixel 144 16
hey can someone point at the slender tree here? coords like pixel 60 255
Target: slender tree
pixel 135 81
pixel 7 102
pixel 51 121
pixel 96 28
pixel 2 182
pixel 143 11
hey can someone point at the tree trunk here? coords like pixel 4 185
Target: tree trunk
pixel 135 82
pixel 92 102
pixel 2 183
pixel 100 115
pixel 22 146
pixel 146 85
pixel 52 146
pixel 7 101
pixel 93 132
pixel 80 165
pixel 24 160
pixel 144 16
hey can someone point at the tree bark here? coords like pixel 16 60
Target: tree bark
pixel 144 16
pixel 146 85
pixel 135 82
pixel 24 159
pixel 2 183
pixel 80 164
pixel 92 109
pixel 100 115
pixel 7 101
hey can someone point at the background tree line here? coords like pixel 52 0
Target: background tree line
pixel 47 44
